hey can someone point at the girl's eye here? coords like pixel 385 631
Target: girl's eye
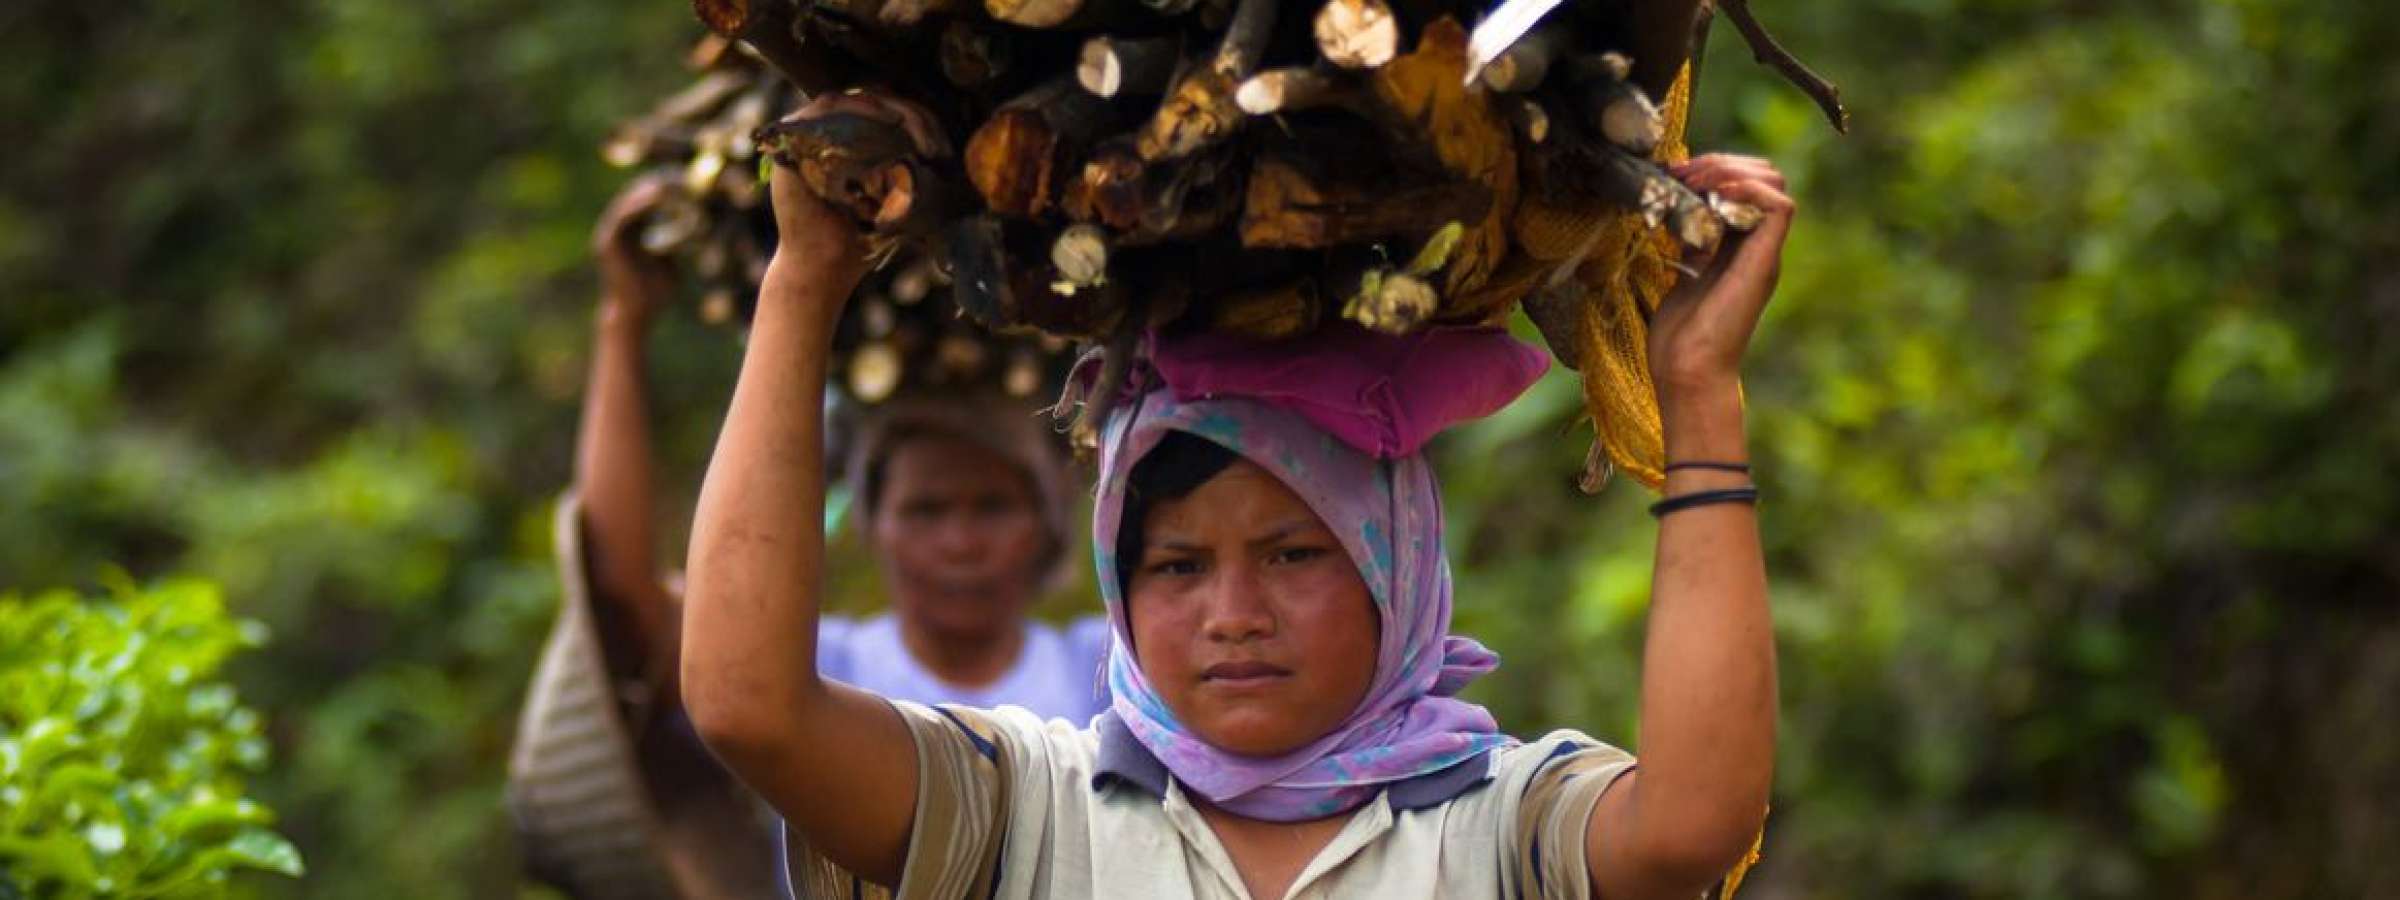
pixel 1299 554
pixel 1175 567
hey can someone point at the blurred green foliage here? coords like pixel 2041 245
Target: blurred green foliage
pixel 122 756
pixel 2075 413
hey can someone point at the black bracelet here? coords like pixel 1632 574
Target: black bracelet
pixel 1703 498
pixel 1743 468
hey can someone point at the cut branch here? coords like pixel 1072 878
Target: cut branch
pixel 1275 314
pixel 972 55
pixel 858 164
pixel 1379 295
pixel 1299 88
pixel 1140 67
pixel 1019 159
pixel 1200 110
pixel 1289 205
pixel 1525 63
pixel 771 28
pixel 1764 48
pixel 1357 34
pixel 1058 13
pixel 1081 256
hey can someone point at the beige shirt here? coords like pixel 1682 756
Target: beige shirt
pixel 1007 808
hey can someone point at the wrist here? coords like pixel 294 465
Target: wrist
pixel 812 281
pixel 1702 420
pixel 623 319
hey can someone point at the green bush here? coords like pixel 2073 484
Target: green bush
pixel 121 756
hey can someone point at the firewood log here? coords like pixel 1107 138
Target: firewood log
pixel 1299 202
pixel 1623 113
pixel 973 54
pixel 865 167
pixel 1302 87
pixel 1063 14
pixel 997 281
pixel 1278 313
pixel 1024 154
pixel 1525 63
pixel 1111 66
pixel 771 27
pixel 1199 110
pixel 1357 34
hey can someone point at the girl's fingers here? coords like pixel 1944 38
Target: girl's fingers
pixel 1757 256
pixel 910 117
pixel 1713 172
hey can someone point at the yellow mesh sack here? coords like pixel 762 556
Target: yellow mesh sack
pixel 1628 272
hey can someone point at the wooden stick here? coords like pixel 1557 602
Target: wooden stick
pixel 1057 13
pixel 1555 310
pixel 1524 64
pixel 770 27
pixel 1109 189
pixel 1142 67
pixel 1200 110
pixel 1289 205
pixel 1019 159
pixel 973 55
pixel 1390 301
pixel 1116 362
pixel 849 160
pixel 1275 314
pixel 905 14
pixel 994 283
pixel 1357 34
pixel 1617 106
pixel 1081 255
pixel 1764 49
pixel 1532 121
pixel 1659 36
pixel 1298 88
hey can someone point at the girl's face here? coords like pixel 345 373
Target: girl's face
pixel 1248 617
pixel 959 535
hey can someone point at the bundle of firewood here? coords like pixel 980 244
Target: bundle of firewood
pixel 1253 167
pixel 901 330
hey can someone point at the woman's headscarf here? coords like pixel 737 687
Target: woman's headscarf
pixel 1291 413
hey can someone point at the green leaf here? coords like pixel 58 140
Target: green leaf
pixel 259 848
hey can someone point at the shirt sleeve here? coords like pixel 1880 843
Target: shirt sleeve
pixel 954 844
pixel 1554 814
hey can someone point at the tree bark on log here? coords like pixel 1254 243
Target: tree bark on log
pixel 1357 34
pixel 1200 111
pixel 1020 159
pixel 771 28
pixel 1293 203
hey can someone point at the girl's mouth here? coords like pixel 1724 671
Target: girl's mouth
pixel 1251 673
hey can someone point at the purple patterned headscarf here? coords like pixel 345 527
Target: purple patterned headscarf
pixel 1387 513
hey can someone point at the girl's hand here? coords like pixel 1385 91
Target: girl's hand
pixel 633 282
pixel 1699 334
pixel 816 233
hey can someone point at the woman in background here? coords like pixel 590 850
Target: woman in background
pixel 964 504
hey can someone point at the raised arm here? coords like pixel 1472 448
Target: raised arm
pixel 1691 811
pixel 612 443
pixel 838 763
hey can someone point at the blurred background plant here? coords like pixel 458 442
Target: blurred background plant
pixel 122 754
pixel 2076 413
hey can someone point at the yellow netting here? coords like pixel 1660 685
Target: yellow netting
pixel 1629 270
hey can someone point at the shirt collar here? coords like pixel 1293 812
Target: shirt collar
pixel 1122 759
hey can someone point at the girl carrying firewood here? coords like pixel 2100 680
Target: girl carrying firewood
pixel 1282 718
pixel 964 503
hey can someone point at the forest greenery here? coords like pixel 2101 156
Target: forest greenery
pixel 122 754
pixel 2075 416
